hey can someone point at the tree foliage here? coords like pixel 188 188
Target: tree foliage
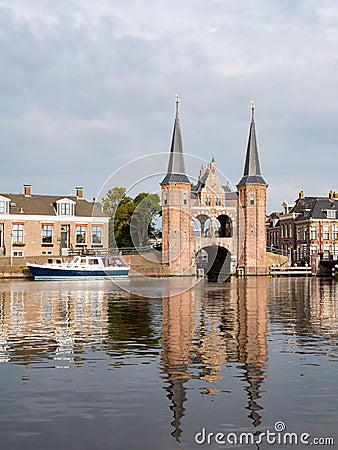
pixel 131 220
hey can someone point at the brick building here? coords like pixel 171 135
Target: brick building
pixel 232 224
pixel 34 225
pixel 307 227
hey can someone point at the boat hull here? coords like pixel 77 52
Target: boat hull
pixel 48 273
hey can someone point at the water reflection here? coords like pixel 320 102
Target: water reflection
pixel 252 345
pixel 208 348
pixel 178 325
pixel 206 329
pixel 49 326
pixel 307 310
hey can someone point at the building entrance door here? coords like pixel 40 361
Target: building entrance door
pixel 64 236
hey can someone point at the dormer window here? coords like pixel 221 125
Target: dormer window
pixel 65 207
pixel 4 205
pixel 331 213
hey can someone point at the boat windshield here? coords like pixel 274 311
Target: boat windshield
pixel 93 261
pixel 112 262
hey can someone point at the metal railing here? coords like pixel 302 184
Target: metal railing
pixel 277 251
pixel 108 251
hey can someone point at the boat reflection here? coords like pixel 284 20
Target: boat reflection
pixel 47 327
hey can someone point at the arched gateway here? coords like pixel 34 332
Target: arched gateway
pixel 208 225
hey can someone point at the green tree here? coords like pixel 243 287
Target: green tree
pixel 113 199
pixel 147 206
pixel 131 220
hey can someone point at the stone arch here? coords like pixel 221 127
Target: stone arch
pixel 216 262
pixel 224 226
pixel 203 220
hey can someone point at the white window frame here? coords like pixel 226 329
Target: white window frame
pixel 18 230
pixel 49 225
pixel 81 228
pixel 313 249
pixel 335 232
pixel 65 207
pixel 326 250
pixel 326 232
pixel 100 227
pixel 252 199
pixel 5 202
pixel 313 232
pixel 331 213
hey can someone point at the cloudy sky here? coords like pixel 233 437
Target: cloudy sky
pixel 87 86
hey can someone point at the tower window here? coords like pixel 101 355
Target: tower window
pixel 165 198
pixel 252 199
pixel 185 198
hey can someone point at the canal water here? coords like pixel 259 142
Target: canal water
pixel 89 365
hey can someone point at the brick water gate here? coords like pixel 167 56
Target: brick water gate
pixel 207 224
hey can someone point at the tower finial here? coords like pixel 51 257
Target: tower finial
pixel 177 102
pixel 252 172
pixel 252 109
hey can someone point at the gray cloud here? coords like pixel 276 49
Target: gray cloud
pixel 87 86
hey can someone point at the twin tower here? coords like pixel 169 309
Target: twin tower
pixel 205 223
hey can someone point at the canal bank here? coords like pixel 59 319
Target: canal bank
pixel 140 265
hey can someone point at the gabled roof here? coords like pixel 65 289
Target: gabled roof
pixel 314 207
pixel 202 181
pixel 252 171
pixel 176 167
pixel 45 205
pixel 197 188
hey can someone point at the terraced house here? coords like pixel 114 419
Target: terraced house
pixel 38 225
pixel 307 227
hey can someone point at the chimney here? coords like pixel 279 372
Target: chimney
pixel 79 192
pixel 27 190
pixel 301 194
pixel 333 195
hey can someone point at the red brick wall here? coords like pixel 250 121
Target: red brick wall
pixel 177 229
pixel 253 230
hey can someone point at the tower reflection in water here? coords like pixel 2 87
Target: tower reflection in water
pixel 207 328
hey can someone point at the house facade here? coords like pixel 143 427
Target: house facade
pixel 34 225
pixel 308 227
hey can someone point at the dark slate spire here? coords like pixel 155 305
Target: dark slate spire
pixel 176 168
pixel 252 170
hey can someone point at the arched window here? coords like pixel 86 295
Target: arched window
pixel 225 226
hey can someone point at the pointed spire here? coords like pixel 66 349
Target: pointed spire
pixel 252 171
pixel 176 168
